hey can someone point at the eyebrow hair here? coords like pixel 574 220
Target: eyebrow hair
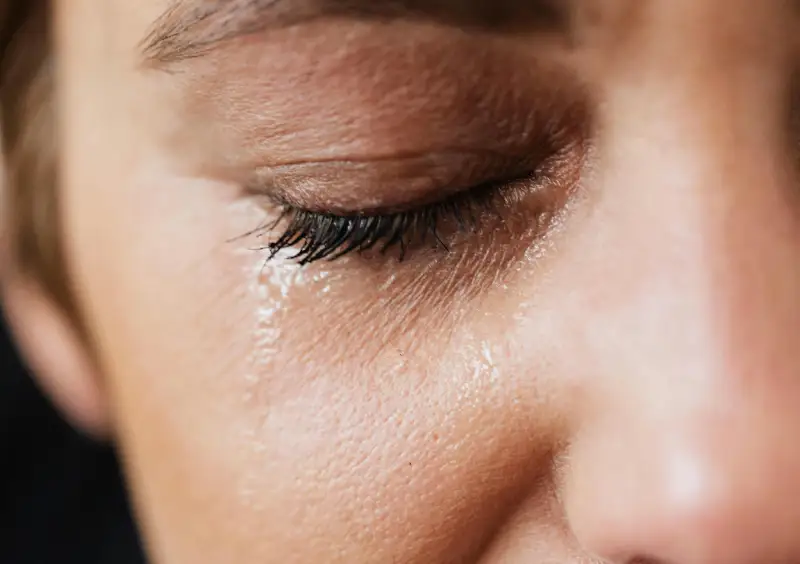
pixel 192 28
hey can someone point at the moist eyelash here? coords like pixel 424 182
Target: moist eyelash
pixel 319 236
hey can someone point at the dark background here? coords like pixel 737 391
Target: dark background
pixel 61 494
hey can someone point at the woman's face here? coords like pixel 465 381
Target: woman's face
pixel 589 348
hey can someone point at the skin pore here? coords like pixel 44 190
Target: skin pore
pixel 600 365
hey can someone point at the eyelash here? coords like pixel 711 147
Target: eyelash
pixel 322 236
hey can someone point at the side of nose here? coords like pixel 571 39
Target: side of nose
pixel 687 450
pixel 693 489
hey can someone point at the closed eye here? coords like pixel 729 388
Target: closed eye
pixel 315 235
pixel 318 236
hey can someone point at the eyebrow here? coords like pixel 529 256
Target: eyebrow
pixel 193 28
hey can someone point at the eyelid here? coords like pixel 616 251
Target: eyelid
pixel 316 236
pixel 322 234
pixel 389 185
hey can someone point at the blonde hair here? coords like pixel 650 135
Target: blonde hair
pixel 27 92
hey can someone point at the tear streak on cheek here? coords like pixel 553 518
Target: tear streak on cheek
pixel 284 298
pixel 363 322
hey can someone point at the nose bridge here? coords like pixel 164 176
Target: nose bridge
pixel 700 225
pixel 709 74
pixel 697 188
pixel 687 453
pixel 694 333
pixel 684 34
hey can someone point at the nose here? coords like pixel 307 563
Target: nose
pixel 689 487
pixel 688 447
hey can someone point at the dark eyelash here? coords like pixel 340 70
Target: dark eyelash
pixel 328 236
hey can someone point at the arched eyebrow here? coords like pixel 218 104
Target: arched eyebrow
pixel 192 28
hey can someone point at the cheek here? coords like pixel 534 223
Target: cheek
pixel 265 409
pixel 252 413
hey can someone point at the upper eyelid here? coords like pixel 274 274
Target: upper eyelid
pixel 387 185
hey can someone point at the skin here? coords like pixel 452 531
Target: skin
pixel 616 380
